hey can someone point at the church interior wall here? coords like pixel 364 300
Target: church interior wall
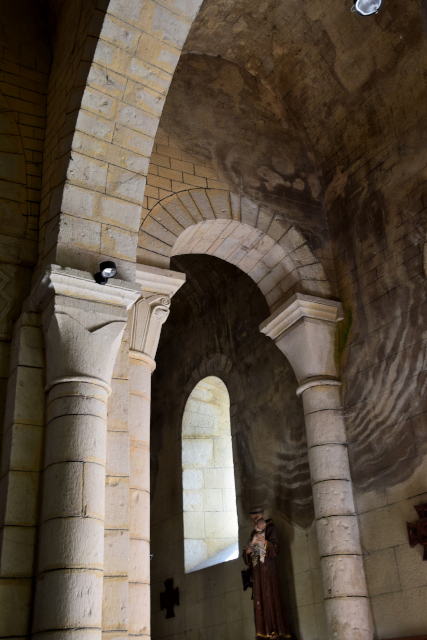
pixel 230 130
pixel 375 197
pixel 24 69
pixel 21 467
pixel 284 110
pixel 214 319
pixel 374 190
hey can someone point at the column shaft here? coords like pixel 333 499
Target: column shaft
pixel 69 581
pixel 304 329
pixel 83 324
pixel 145 323
pixel 140 371
pixel 344 585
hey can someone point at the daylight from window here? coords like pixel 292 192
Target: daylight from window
pixel 209 493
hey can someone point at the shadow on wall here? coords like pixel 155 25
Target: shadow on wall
pixel 213 331
pixel 218 111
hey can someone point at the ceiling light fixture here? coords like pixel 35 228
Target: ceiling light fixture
pixel 366 7
pixel 107 270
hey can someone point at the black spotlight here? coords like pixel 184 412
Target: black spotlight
pixel 107 270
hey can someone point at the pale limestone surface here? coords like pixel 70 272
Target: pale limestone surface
pixel 209 494
pixel 145 323
pixel 92 188
pixel 304 329
pixel 80 359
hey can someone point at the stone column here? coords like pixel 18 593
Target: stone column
pixel 83 324
pixel 304 329
pixel 145 323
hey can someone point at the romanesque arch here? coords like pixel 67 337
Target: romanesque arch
pixel 270 249
pixel 98 156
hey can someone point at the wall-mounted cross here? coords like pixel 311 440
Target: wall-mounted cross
pixel 169 598
pixel 417 531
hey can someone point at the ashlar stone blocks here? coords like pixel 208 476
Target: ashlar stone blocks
pixel 304 329
pixel 209 495
pixel 80 359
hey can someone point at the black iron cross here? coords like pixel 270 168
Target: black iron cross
pixel 417 531
pixel 170 598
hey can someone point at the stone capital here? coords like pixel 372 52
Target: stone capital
pixel 154 280
pixel 304 329
pixel 83 323
pixel 152 309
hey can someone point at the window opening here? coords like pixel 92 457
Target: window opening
pixel 209 492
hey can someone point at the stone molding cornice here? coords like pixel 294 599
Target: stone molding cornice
pixel 154 280
pixel 72 283
pixel 297 307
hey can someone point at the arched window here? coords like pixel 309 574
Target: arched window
pixel 210 514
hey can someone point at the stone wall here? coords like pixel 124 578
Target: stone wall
pixel 213 330
pixel 361 99
pixel 369 144
pixel 376 196
pixel 378 226
pixel 21 473
pixel 220 130
pixel 24 67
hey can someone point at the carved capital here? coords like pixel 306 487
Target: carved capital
pixel 151 311
pixel 304 329
pixel 145 322
pixel 83 324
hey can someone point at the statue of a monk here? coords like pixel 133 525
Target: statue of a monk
pixel 260 553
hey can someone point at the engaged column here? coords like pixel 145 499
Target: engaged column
pixel 304 329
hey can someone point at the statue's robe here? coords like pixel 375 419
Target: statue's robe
pixel 269 607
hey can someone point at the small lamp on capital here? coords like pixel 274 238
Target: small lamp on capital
pixel 366 7
pixel 107 270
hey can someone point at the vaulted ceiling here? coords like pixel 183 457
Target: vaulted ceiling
pixel 342 76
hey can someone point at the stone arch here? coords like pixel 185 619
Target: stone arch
pixel 266 246
pixel 221 366
pixel 102 150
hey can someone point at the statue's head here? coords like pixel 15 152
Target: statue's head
pixel 256 513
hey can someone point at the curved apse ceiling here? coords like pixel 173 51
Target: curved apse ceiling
pixel 339 74
pixel 217 110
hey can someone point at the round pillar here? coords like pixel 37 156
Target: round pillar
pixel 83 324
pixel 304 329
pixel 146 319
pixel 344 584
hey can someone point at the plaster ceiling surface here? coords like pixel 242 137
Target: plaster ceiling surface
pixel 341 75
